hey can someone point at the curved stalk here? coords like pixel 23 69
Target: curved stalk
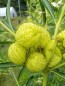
pixel 59 21
pixel 58 66
pixel 57 28
pixel 45 79
pixel 11 32
pixel 55 34
pixel 56 31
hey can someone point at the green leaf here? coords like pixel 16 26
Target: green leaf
pixel 60 74
pixel 23 76
pixel 35 80
pixel 1 31
pixel 47 4
pixel 2 56
pixel 8 15
pixel 5 21
pixel 26 76
pixel 6 42
pixel 43 12
pixel 7 65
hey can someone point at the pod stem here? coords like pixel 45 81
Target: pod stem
pixel 45 79
pixel 58 66
pixel 11 32
pixel 59 21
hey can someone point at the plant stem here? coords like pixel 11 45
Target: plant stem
pixel 60 65
pixel 45 79
pixel 11 32
pixel 59 21
pixel 56 31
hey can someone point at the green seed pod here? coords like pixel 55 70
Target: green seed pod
pixel 61 40
pixel 61 35
pixel 28 35
pixel 32 49
pixel 64 56
pixel 60 45
pixel 16 54
pixel 64 43
pixel 53 54
pixel 36 62
pixel 45 38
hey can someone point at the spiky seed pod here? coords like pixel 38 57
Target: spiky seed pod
pixel 36 62
pixel 64 56
pixel 61 40
pixel 45 38
pixel 53 54
pixel 49 49
pixel 32 49
pixel 28 35
pixel 61 35
pixel 16 54
pixel 64 43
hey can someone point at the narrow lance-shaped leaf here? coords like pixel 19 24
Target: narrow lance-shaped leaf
pixel 8 15
pixel 43 12
pixel 5 22
pixel 6 42
pixel 23 76
pixel 7 65
pixel 47 4
pixel 60 74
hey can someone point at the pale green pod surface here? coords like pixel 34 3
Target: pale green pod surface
pixel 64 43
pixel 49 49
pixel 45 38
pixel 53 54
pixel 56 59
pixel 64 56
pixel 61 35
pixel 16 54
pixel 61 40
pixel 32 49
pixel 36 62
pixel 28 35
pixel 61 45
